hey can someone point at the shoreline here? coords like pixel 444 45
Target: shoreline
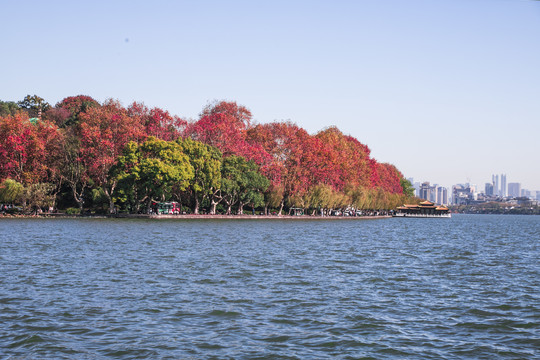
pixel 197 217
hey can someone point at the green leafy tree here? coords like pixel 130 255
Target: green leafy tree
pixel 320 197
pixel 206 163
pixel 148 172
pixel 407 187
pixel 34 104
pixel 8 108
pixel 242 183
pixel 38 196
pixel 273 197
pixel 253 186
pixel 10 191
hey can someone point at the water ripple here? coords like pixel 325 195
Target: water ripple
pixel 466 287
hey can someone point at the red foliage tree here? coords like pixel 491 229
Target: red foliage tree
pixel 24 148
pixel 375 178
pixel 57 115
pixel 77 104
pixel 390 178
pixel 158 123
pixel 294 157
pixel 224 125
pixel 322 164
pixel 104 131
pixel 350 157
pixel 238 114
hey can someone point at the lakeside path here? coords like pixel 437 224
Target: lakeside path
pixel 202 217
pixel 261 217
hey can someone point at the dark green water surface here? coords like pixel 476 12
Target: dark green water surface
pixel 460 288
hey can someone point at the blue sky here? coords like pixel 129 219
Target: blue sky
pixel 447 90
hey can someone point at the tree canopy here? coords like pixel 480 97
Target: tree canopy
pixel 107 157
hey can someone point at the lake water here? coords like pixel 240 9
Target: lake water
pixel 460 288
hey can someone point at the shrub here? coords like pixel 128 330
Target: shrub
pixel 13 211
pixel 73 211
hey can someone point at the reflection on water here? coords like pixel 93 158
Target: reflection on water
pixel 466 287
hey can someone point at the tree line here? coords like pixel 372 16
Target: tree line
pixel 104 158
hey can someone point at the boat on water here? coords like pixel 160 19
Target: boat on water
pixel 426 209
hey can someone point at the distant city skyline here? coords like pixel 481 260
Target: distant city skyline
pixel 467 193
pixel 480 185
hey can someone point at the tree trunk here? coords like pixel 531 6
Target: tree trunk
pixel 215 199
pixel 80 204
pixel 78 198
pixel 111 205
pixel 54 197
pixel 213 205
pixel 196 206
pixel 240 208
pixel 281 208
pixel 108 194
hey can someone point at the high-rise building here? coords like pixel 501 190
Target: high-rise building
pixel 495 180
pixel 514 190
pixel 503 185
pixel 425 191
pixel 417 189
pixel 489 189
pixel 433 195
pixel 442 195
pixel 445 200
pixel 462 194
